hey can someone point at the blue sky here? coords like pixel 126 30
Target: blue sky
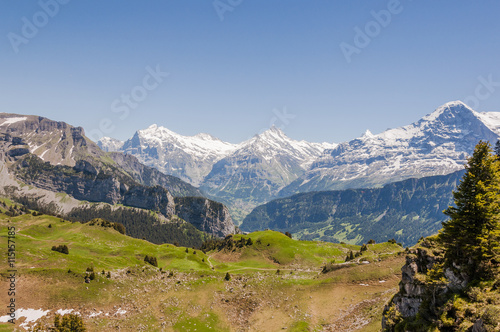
pixel 252 63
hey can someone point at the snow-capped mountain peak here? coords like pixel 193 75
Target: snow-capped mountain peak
pixel 187 157
pixel 367 134
pixel 109 144
pixel 439 143
pixel 449 110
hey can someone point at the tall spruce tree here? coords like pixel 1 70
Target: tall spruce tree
pixel 472 234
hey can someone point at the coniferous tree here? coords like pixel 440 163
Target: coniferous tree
pixel 497 148
pixel 472 235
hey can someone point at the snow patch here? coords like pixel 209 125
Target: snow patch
pixel 64 311
pixel 30 315
pixel 120 311
pixel 94 314
pixel 9 121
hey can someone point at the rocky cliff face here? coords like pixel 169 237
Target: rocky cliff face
pixel 206 215
pixel 56 157
pixel 434 297
pixel 85 182
pixel 53 141
pixel 412 288
pixel 149 176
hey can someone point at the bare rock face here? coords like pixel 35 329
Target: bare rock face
pixel 413 288
pixel 53 141
pixel 479 326
pixel 149 176
pixel 206 215
pixel 56 157
pixel 457 280
pixel 151 198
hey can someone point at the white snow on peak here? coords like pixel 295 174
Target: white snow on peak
pixel 439 143
pixel 452 105
pixel 9 121
pixel 206 136
pixel 367 134
pixel 491 120
pixel 274 142
pixel 109 144
pixel 201 145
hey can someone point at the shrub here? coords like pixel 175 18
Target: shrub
pixel 70 322
pixel 227 277
pixel 151 260
pixel 350 256
pixel 61 248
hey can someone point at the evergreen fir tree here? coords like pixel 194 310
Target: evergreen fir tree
pixel 472 235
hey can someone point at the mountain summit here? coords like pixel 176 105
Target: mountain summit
pixel 187 157
pixel 439 143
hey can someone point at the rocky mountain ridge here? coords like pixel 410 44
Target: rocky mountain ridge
pixel 271 165
pixel 240 175
pixel 437 144
pixel 77 167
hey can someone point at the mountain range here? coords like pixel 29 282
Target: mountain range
pixel 54 167
pixel 240 175
pixel 272 165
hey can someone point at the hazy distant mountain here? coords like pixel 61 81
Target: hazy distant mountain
pixel 108 144
pixel 439 143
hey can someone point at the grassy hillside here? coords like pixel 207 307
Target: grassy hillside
pixel 275 282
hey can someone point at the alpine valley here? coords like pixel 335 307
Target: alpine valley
pixel 139 235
